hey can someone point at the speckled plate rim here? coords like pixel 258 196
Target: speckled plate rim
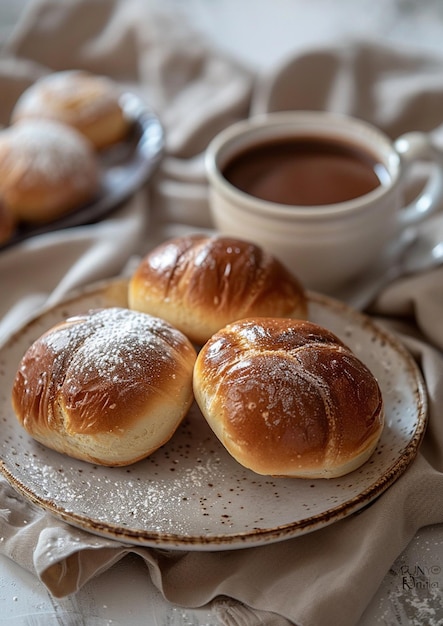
pixel 228 541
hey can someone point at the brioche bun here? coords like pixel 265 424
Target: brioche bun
pixel 288 398
pixel 200 283
pixel 109 387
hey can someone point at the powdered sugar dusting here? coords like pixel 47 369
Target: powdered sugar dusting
pixel 190 494
pixel 48 150
pixel 72 93
pixel 114 344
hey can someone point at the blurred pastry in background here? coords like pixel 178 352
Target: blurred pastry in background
pixel 47 169
pixel 85 101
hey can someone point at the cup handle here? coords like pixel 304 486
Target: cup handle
pixel 413 147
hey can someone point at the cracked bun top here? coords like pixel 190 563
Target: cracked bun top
pixel 200 283
pixel 109 387
pixel 288 398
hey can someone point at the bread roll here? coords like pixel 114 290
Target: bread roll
pixel 201 283
pixel 85 101
pixel 288 398
pixel 46 170
pixel 109 387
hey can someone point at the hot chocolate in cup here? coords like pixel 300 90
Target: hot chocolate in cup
pixel 324 193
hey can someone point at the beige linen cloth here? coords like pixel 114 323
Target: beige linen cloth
pixel 323 578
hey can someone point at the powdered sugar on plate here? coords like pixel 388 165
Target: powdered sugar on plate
pixel 191 494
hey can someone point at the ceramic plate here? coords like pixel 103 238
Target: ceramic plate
pixel 191 494
pixel 125 168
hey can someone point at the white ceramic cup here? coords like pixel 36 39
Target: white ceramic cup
pixel 325 246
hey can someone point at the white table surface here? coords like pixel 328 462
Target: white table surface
pixel 261 33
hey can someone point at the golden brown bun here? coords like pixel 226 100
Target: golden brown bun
pixel 108 387
pixel 288 398
pixel 47 169
pixel 201 283
pixel 7 223
pixel 85 101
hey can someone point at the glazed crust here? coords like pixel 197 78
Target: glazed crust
pixel 288 398
pixel 200 283
pixel 109 387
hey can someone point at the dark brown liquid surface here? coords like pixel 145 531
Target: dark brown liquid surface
pixel 305 171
